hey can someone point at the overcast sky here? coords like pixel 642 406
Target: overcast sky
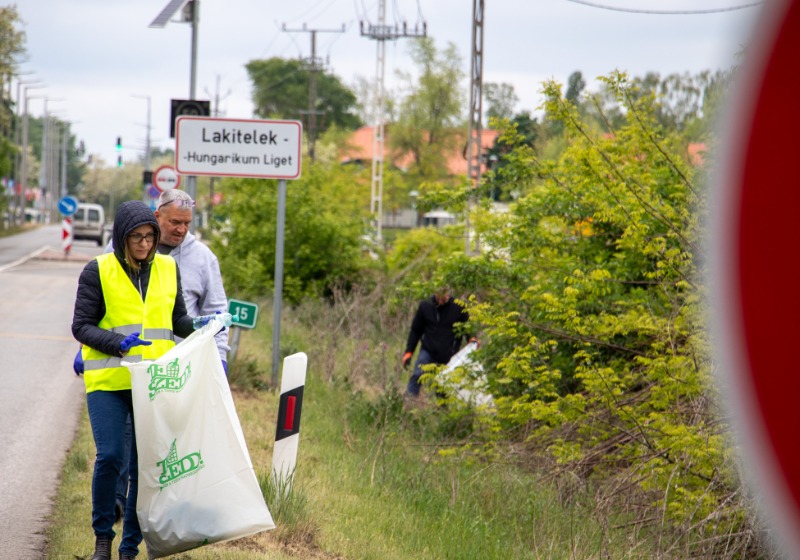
pixel 100 61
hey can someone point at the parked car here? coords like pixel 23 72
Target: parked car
pixel 89 222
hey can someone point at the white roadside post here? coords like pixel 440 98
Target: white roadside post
pixel 287 433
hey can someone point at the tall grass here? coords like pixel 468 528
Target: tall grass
pixel 375 478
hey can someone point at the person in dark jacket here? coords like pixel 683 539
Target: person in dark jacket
pixel 433 327
pixel 129 306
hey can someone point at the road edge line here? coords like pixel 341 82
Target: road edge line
pixel 24 259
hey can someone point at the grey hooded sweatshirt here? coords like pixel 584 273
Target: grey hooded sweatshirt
pixel 203 291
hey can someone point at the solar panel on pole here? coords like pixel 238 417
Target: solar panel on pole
pixel 163 18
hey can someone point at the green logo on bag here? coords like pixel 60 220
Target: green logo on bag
pixel 168 378
pixel 175 468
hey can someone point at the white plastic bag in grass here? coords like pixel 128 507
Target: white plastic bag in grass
pixel 196 482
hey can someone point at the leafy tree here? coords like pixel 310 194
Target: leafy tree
pixel 575 86
pixel 414 258
pixel 529 131
pixel 429 117
pixel 500 100
pixel 12 47
pixel 75 165
pixel 161 154
pixel 110 186
pixel 685 103
pixel 594 318
pixel 281 89
pixel 364 89
pixel 324 225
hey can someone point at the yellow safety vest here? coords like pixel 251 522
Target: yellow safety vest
pixel 126 313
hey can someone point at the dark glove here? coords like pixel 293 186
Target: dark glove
pixel 225 366
pixel 133 340
pixel 407 358
pixel 77 364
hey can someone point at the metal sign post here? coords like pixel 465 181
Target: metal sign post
pixel 243 314
pixel 278 304
pixel 68 205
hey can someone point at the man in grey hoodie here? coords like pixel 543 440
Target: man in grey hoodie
pixel 202 281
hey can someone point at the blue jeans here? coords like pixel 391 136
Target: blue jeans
pixel 423 358
pixel 122 483
pixel 109 412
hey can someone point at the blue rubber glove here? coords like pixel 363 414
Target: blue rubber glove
pixel 224 363
pixel 225 367
pixel 133 340
pixel 77 364
pixel 203 320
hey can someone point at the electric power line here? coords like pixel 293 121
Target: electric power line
pixel 665 12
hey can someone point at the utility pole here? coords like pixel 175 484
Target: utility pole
pixel 147 175
pixel 215 112
pixel 64 153
pixel 314 65
pixel 194 8
pixel 19 213
pixel 382 33
pixel 44 167
pixel 474 148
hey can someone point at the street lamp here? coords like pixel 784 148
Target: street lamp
pixel 147 171
pixel 48 164
pixel 18 214
pixel 191 13
pixel 147 137
pixel 54 161
pixel 24 159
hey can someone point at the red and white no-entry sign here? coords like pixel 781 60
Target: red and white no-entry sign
pixel 165 178
pixel 757 265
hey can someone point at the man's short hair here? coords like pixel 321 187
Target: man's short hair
pixel 180 198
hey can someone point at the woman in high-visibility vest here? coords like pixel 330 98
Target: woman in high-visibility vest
pixel 129 306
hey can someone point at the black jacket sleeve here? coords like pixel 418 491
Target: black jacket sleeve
pixel 90 308
pixel 181 321
pixel 417 329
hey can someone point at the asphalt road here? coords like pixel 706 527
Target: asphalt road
pixel 40 396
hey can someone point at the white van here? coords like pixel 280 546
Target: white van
pixel 89 222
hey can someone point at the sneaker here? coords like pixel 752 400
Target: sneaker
pixel 126 557
pixel 102 549
pixel 119 512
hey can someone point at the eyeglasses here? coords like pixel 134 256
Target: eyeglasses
pixel 138 237
pixel 179 202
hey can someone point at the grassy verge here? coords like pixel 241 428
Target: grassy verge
pixel 14 230
pixel 374 479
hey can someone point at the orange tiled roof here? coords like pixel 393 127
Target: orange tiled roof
pixel 697 152
pixel 359 147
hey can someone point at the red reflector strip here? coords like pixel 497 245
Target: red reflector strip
pixel 288 423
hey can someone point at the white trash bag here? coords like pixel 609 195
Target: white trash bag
pixel 471 392
pixel 197 484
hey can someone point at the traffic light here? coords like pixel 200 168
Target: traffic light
pixel 119 161
pixel 119 143
pixel 119 151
